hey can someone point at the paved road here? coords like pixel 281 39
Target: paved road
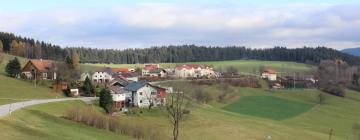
pixel 8 108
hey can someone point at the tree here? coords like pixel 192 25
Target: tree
pixel 75 59
pixel 333 77
pixel 13 68
pixel 106 101
pixel 1 47
pixel 88 88
pixel 175 108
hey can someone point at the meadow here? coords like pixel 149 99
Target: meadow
pixel 14 90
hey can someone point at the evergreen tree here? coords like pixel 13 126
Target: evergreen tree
pixel 13 68
pixel 106 101
pixel 88 88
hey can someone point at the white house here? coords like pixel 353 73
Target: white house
pixel 149 67
pixel 116 88
pixel 269 74
pixel 107 74
pixel 143 94
pixel 193 71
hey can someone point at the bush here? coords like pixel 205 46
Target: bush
pixel 90 116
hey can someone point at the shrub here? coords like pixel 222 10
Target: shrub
pixel 90 116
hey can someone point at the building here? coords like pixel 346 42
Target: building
pixel 269 74
pixel 105 75
pixel 143 94
pixel 159 72
pixel 83 76
pixel 39 69
pixel 194 71
pixel 149 67
pixel 116 88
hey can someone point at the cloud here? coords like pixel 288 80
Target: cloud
pixel 148 24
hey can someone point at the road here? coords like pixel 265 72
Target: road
pixel 8 108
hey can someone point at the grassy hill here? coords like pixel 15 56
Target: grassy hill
pixel 14 90
pixel 248 66
pixel 44 122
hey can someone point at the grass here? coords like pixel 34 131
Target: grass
pixel 247 66
pixel 44 122
pixel 268 107
pixel 13 90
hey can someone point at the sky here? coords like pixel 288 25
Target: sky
pixel 120 24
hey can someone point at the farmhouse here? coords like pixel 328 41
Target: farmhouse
pixel 105 75
pixel 269 74
pixel 193 71
pixel 116 88
pixel 39 69
pixel 143 94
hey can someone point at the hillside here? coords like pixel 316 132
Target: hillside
pixel 353 51
pixel 211 121
pixel 14 90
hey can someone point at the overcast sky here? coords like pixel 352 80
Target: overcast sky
pixel 144 23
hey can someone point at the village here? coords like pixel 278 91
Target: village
pixel 131 87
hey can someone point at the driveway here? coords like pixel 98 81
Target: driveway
pixel 8 108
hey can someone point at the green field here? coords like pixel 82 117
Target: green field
pixel 14 90
pixel 44 122
pixel 248 66
pixel 268 107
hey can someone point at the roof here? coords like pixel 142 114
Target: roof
pixel 119 80
pixel 40 64
pixel 158 70
pixel 134 86
pixel 112 70
pixel 116 89
pixel 190 66
pixel 268 70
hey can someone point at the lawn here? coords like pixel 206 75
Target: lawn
pixel 14 90
pixel 44 122
pixel 268 107
pixel 246 66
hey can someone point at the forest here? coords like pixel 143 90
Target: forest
pixel 34 49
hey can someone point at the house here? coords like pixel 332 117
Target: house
pixel 159 72
pixel 104 75
pixel 144 94
pixel 269 74
pixel 149 67
pixel 39 69
pixel 116 88
pixel 83 76
pixel 193 71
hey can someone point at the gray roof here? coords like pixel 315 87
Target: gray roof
pixel 116 89
pixel 134 86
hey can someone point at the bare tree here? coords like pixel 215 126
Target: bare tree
pixel 175 108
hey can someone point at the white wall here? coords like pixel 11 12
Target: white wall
pixel 145 96
pixel 118 97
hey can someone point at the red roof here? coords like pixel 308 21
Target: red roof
pixel 268 70
pixel 120 70
pixel 151 66
pixel 40 64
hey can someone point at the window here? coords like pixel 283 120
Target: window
pixel 140 93
pixel 140 101
pixel 44 75
pixel 153 93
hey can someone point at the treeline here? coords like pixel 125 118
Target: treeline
pixel 29 48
